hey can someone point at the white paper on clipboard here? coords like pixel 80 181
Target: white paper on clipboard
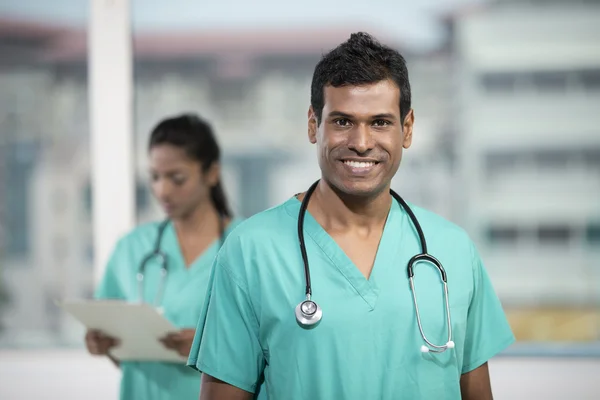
pixel 138 327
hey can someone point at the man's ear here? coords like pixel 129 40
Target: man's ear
pixel 312 125
pixel 407 128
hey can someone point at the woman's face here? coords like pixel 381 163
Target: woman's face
pixel 177 181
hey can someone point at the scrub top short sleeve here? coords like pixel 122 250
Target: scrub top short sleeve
pixel 367 345
pixel 226 345
pixel 488 331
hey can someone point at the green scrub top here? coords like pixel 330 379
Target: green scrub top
pixel 184 293
pixel 367 346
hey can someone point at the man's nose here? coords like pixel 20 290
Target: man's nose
pixel 361 139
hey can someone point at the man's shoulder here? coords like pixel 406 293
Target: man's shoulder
pixel 254 239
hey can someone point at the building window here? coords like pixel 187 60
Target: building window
pixel 87 199
pixel 18 158
pixel 590 79
pixel 550 80
pixel 554 234
pixel 592 233
pixel 142 196
pixel 499 82
pixel 89 253
pixel 591 158
pixel 503 235
pixel 233 99
pixel 541 81
pixel 500 161
pixel 553 159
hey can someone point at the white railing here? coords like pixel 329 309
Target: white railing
pixel 72 374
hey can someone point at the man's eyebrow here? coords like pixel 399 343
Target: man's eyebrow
pixel 384 116
pixel 339 114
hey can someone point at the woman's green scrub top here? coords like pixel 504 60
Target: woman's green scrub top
pixel 183 296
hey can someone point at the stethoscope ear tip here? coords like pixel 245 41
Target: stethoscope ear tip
pixel 449 345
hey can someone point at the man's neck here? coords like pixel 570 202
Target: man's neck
pixel 337 211
pixel 204 220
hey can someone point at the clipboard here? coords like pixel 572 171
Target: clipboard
pixel 138 326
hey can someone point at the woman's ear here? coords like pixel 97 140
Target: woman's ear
pixel 213 175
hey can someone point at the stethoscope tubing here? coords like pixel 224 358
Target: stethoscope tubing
pixel 308 313
pixel 163 262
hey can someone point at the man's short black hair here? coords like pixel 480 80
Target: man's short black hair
pixel 358 61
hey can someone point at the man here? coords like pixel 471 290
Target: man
pixel 358 241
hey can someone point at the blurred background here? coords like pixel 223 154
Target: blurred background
pixel 507 145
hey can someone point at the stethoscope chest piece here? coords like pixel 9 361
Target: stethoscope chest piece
pixel 308 313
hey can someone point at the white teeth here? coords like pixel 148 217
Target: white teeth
pixel 359 164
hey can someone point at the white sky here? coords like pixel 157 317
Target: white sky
pixel 413 21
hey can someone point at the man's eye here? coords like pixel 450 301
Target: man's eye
pixel 342 122
pixel 381 122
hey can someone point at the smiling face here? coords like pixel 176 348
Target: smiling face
pixel 360 137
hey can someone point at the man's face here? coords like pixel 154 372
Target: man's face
pixel 360 137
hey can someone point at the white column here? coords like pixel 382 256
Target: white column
pixel 111 115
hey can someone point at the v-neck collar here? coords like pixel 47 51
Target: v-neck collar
pixel 387 250
pixel 171 242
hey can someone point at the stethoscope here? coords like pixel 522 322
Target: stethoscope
pixel 163 263
pixel 309 313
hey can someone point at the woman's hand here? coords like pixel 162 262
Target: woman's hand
pixel 98 343
pixel 180 341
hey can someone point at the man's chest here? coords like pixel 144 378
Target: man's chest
pixel 379 312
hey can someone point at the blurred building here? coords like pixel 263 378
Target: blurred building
pixel 528 75
pixel 32 116
pixel 506 143
pixel 254 86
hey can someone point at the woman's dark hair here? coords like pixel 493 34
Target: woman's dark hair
pixel 195 136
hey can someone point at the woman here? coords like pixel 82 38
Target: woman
pixel 184 166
